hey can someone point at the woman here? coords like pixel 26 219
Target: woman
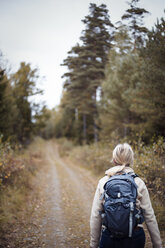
pixel 123 157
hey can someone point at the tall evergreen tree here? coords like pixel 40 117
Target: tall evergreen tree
pixel 134 15
pixel 78 100
pixel 86 67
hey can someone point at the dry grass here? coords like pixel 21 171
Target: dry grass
pixel 14 190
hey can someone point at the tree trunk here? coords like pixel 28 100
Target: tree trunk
pixel 84 129
pixel 76 114
pixel 95 130
pixel 94 118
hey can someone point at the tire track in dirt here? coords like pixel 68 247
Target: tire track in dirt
pixel 53 222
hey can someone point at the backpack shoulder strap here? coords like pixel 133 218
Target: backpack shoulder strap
pixel 133 174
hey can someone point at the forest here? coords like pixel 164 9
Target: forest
pixel 113 87
pixel 113 92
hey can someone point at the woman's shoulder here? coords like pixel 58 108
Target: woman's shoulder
pixel 102 182
pixel 140 183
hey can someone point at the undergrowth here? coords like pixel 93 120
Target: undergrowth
pixel 17 170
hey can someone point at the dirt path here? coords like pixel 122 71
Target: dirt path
pixel 68 193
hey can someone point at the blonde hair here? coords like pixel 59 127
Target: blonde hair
pixel 123 154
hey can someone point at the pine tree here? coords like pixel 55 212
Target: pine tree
pixel 97 41
pixel 78 99
pixel 86 66
pixel 134 15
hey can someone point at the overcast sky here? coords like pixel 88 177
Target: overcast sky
pixel 41 32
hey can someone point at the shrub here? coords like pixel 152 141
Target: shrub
pixel 17 168
pixel 65 146
pixel 150 166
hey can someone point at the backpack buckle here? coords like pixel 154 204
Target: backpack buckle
pixel 104 228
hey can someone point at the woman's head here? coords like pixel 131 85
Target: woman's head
pixel 123 154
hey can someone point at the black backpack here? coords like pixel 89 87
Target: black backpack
pixel 120 215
